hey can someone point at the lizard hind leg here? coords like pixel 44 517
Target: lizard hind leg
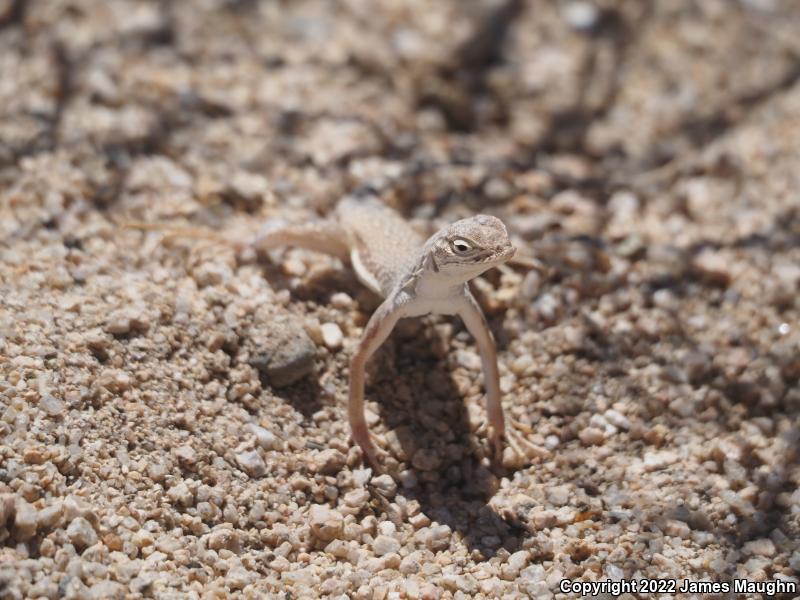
pixel 326 237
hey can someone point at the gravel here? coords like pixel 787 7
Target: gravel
pixel 172 414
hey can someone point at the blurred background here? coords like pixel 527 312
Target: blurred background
pixel 421 101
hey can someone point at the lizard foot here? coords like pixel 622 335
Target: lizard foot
pixel 370 451
pixel 525 450
pixel 511 448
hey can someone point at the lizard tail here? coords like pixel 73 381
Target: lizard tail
pixel 171 231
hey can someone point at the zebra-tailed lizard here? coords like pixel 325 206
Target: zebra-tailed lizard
pixel 414 276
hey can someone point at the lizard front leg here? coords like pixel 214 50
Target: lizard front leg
pixel 378 329
pixel 472 315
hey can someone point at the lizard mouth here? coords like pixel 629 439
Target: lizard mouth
pixel 497 257
pixel 505 254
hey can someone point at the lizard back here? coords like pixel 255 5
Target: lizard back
pixel 383 246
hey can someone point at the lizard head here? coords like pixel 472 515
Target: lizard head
pixel 471 246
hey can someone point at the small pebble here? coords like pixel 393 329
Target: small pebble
pixel 654 461
pixel 331 335
pixel 107 590
pixel 50 517
pixel 385 485
pixel 52 405
pixel 329 461
pixel 384 544
pixel 180 494
pixel 81 533
pixel 759 547
pixel 265 438
pixel 25 520
pixel 238 578
pixel 617 419
pixel 591 436
pixel 143 538
pixel 714 268
pixel 558 495
pixel 252 463
pixel 437 538
pixel 186 454
pixel 326 524
pixel 224 538
pixel 341 301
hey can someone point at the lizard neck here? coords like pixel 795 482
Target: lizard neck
pixel 426 281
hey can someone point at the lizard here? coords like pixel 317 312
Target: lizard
pixel 414 276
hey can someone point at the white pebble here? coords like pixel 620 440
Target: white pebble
pixel 341 301
pixel 468 359
pixel 384 544
pixel 617 419
pixel 51 405
pixel 329 461
pixel 81 533
pixel 558 495
pixel 332 335
pixel 239 577
pixel 251 463
pixel 580 15
pixel 760 547
pixel 106 590
pixel 265 438
pixel 387 528
pixel 654 461
pixel 515 563
pixel 326 524
pixel 25 520
pixel 437 538
pixel 385 485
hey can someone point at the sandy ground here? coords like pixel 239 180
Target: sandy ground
pixel 172 416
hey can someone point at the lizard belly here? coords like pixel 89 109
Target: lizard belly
pixel 427 306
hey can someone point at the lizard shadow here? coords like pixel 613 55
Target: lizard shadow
pixel 305 396
pixel 423 407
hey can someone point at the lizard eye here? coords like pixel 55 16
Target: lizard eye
pixel 461 246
